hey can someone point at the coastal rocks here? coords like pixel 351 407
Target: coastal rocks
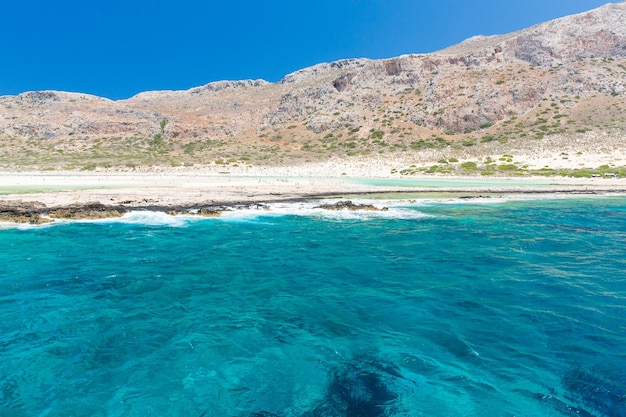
pixel 92 211
pixel 38 213
pixel 22 212
pixel 349 205
pixel 25 212
pixel 203 212
pixel 25 218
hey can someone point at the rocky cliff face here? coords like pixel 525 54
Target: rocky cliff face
pixel 483 87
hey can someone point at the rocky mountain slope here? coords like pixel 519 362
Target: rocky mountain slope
pixel 559 85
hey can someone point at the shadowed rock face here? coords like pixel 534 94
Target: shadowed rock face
pixel 477 83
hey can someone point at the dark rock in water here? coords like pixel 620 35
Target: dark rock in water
pixel 597 391
pixel 355 392
pixel 204 212
pixel 349 205
pixel 23 212
pixel 89 211
pixel 470 197
pixel 26 218
pixel 209 213
pixel 561 407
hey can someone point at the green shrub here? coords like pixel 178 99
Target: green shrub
pixel 508 167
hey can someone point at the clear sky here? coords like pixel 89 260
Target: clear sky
pixel 117 48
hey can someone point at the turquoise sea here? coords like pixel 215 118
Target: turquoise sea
pixel 433 308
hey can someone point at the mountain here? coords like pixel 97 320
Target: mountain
pixel 554 86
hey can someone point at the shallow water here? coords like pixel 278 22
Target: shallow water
pixel 428 309
pixel 447 182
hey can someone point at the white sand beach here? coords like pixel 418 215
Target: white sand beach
pixel 208 186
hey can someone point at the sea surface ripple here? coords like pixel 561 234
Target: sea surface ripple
pixel 459 309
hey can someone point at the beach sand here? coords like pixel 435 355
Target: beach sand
pixel 180 187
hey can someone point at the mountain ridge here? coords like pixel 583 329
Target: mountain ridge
pixel 467 95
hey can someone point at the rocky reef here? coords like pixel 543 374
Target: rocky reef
pixel 349 205
pixel 27 212
pixel 39 213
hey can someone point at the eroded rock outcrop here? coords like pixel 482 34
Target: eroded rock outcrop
pixel 92 211
pixel 350 206
pixel 23 212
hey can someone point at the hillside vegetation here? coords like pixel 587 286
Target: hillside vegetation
pixel 537 101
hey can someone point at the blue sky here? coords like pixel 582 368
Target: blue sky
pixel 117 48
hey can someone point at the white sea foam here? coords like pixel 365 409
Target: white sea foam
pixel 495 199
pixel 310 209
pixel 404 209
pixel 152 218
pixel 392 213
pixel 10 225
pixel 23 226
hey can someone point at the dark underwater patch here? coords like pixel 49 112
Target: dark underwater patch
pixel 599 392
pixel 358 389
pixel 562 407
pixel 355 392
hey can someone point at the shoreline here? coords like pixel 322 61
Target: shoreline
pixel 41 197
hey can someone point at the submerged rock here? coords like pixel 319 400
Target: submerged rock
pixel 359 389
pixel 601 391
